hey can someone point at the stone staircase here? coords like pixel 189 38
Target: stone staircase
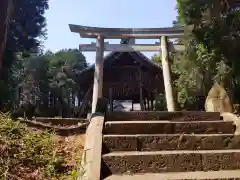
pixel 169 145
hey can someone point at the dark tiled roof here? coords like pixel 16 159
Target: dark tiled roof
pixel 136 55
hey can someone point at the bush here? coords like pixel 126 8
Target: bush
pixel 161 104
pixel 23 150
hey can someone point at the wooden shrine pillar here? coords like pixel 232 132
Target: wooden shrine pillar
pixel 98 74
pixel 148 101
pixel 141 90
pixel 166 75
pixel 145 103
pixel 152 99
pixel 155 94
pixel 141 98
pixel 111 99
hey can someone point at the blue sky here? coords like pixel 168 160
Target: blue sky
pixel 103 13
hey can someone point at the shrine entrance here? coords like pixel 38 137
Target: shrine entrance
pixel 126 55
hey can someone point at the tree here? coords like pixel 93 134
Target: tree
pixel 207 57
pixel 212 48
pixel 50 80
pixel 26 28
pixel 127 41
pixel 6 8
pixel 27 25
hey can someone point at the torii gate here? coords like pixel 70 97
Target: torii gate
pixel 137 33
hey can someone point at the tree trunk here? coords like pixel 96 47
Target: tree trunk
pixel 6 8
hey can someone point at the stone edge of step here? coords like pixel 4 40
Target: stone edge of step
pixel 164 135
pixel 147 153
pixel 164 122
pixel 198 175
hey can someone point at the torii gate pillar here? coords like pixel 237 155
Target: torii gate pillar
pixel 166 74
pixel 98 74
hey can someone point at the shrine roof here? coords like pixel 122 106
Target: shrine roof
pixel 113 56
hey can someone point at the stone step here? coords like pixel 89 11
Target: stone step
pixel 171 161
pixel 168 127
pixel 199 175
pixel 163 115
pixel 158 142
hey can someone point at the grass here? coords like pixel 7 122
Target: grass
pixel 32 154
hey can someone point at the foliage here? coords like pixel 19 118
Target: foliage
pixel 157 59
pixel 25 151
pixel 160 103
pixel 27 25
pixel 26 29
pixel 30 77
pixel 212 50
pixel 30 154
pixel 25 32
pixel 127 40
pixel 195 72
pixel 51 75
pixel 6 10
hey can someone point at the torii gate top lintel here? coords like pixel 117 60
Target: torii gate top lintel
pixel 116 33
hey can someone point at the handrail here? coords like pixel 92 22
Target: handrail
pixel 91 160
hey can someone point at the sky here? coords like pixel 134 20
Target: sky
pixel 104 13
